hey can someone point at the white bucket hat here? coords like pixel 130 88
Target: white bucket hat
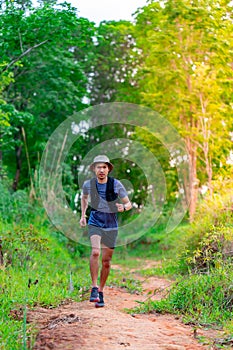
pixel 101 159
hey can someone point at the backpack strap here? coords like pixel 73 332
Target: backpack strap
pixel 111 196
pixel 94 194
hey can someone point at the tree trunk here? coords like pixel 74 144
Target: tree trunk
pixel 193 179
pixel 205 129
pixel 18 154
pixel 208 166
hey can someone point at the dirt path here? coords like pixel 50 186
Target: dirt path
pixel 82 326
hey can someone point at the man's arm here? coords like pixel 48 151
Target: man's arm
pixel 125 206
pixel 84 206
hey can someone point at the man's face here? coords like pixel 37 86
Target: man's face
pixel 101 170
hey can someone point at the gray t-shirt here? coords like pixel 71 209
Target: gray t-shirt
pixel 103 217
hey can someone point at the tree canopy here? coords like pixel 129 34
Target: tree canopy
pixel 176 59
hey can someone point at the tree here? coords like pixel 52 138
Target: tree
pixel 187 74
pixel 112 68
pixel 14 138
pixel 39 48
pixel 5 80
pixel 22 4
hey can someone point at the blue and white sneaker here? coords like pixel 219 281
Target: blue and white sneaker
pixel 100 303
pixel 94 297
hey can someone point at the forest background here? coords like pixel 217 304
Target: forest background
pixel 176 59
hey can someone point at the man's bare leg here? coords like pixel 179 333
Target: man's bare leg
pixel 106 259
pixel 94 259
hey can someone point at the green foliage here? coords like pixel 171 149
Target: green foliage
pixel 216 208
pixel 21 244
pixel 202 299
pixel 11 133
pixel 185 74
pixel 214 249
pixel 200 254
pixel 36 270
pixel 5 80
pixel 38 266
pixel 160 245
pixel 112 69
pixel 47 51
pixel 209 238
pixel 175 59
pixel 15 206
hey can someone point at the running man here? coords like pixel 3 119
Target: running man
pixel 104 192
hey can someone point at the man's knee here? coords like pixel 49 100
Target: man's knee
pixel 106 262
pixel 95 252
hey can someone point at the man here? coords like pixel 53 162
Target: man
pixel 102 224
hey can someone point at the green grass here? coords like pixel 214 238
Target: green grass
pixel 156 245
pixel 124 279
pixel 202 299
pixel 198 257
pixel 37 270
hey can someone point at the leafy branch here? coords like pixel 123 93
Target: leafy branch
pixel 22 55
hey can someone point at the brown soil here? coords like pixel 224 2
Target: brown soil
pixel 82 326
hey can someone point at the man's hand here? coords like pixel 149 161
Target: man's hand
pixel 83 221
pixel 120 207
pixel 125 206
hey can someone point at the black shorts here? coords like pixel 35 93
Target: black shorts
pixel 108 237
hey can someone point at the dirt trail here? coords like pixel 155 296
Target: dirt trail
pixel 82 326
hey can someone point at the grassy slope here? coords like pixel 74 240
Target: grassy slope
pixel 37 270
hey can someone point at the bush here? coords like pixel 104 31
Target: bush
pixel 209 239
pixel 214 250
pixel 17 206
pixel 20 245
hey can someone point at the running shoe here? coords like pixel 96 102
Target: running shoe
pixel 100 303
pixel 94 297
